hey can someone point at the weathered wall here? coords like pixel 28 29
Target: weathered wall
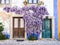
pixel 3 15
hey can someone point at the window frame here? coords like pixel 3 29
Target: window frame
pixel 5 2
pixel 28 2
pixel 0 1
pixel 36 1
pixel 32 2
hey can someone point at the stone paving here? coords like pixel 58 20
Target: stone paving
pixel 38 42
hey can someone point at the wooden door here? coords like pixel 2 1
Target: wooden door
pixel 18 27
pixel 47 28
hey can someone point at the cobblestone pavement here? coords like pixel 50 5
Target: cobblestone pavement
pixel 38 42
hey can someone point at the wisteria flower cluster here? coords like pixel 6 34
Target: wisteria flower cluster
pixel 33 17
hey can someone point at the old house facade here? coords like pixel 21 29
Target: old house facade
pixel 15 26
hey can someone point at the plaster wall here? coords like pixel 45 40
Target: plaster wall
pixel 7 22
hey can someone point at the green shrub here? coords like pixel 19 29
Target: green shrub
pixel 2 37
pixel 1 27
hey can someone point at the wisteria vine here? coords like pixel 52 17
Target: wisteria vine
pixel 33 17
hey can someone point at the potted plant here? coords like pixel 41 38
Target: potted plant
pixel 32 37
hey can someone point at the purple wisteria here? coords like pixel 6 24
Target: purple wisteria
pixel 33 17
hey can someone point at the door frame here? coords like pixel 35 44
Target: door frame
pixel 11 28
pixel 50 17
pixel 44 34
pixel 18 25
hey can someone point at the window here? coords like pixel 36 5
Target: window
pixel 29 1
pixel 35 1
pixel 0 1
pixel 4 1
pixel 32 1
pixel 7 1
pixel 21 23
pixel 16 23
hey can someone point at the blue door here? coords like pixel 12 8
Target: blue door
pixel 47 28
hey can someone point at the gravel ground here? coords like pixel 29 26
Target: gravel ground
pixel 38 42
